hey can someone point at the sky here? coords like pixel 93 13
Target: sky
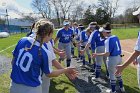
pixel 24 6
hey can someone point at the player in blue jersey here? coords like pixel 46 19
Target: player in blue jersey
pixel 93 26
pixel 83 41
pixel 65 36
pixel 77 40
pixel 75 32
pixel 31 58
pixel 113 54
pixel 96 42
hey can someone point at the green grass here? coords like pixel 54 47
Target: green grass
pixel 61 84
pixel 6 42
pixel 4 83
pixel 127 33
pixel 129 77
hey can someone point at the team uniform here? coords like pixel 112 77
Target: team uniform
pixel 112 46
pixel 46 80
pixel 77 39
pixel 137 48
pixel 28 66
pixel 65 38
pixel 84 39
pixel 97 43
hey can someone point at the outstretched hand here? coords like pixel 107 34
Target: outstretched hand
pixel 94 55
pixel 135 62
pixel 119 69
pixel 71 73
pixel 82 52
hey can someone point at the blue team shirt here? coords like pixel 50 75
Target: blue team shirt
pixel 112 45
pixel 95 40
pixel 29 65
pixel 84 37
pixel 65 36
pixel 76 33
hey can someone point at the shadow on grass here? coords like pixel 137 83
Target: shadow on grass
pixel 54 84
pixel 131 90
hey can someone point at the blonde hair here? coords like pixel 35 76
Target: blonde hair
pixel 43 27
pixel 88 30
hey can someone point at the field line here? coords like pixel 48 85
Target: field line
pixel 127 52
pixel 7 48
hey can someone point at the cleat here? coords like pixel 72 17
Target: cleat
pixel 95 79
pixel 122 90
pixel 109 91
pixel 82 66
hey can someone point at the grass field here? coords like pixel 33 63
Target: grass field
pixel 61 84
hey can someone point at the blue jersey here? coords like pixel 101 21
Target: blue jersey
pixel 112 45
pixel 95 39
pixel 29 65
pixel 84 37
pixel 65 36
pixel 76 33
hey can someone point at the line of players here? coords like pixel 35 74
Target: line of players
pixel 105 48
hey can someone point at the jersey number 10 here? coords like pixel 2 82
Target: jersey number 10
pixel 22 60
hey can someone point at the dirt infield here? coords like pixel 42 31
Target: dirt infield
pixel 128 48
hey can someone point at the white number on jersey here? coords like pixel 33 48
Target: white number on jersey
pixel 118 48
pixel 25 55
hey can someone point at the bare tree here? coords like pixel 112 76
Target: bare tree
pixel 57 9
pixel 110 6
pixel 43 7
pixel 77 12
pixel 65 6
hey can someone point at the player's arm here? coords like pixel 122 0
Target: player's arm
pixel 91 39
pixel 58 72
pixel 131 58
pixel 55 40
pixel 58 35
pixel 120 68
pixel 86 47
pixel 56 64
pixel 100 54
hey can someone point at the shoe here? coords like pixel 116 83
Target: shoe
pixel 107 77
pixel 95 79
pixel 74 56
pixel 109 91
pixel 122 90
pixel 79 61
pixel 82 66
pixel 92 70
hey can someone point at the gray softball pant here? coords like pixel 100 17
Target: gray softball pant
pixel 112 62
pixel 100 59
pixel 66 47
pixel 20 88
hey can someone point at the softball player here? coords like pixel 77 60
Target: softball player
pixel 96 39
pixel 65 38
pixel 75 33
pixel 30 59
pixel 113 53
pixel 93 26
pixel 132 58
pixel 83 41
